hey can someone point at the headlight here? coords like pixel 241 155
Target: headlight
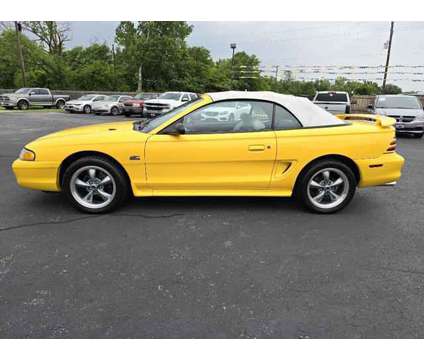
pixel 27 155
pixel 136 105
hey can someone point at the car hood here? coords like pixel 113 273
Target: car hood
pixel 222 109
pixel 107 103
pixel 163 101
pixel 399 112
pixel 82 102
pixel 134 101
pixel 84 131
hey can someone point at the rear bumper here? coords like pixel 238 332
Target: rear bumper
pixel 382 170
pixel 39 175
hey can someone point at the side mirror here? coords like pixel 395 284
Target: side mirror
pixel 31 93
pixel 179 129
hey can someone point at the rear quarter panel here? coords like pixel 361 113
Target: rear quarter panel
pixel 297 148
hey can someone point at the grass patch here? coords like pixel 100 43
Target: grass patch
pixel 35 108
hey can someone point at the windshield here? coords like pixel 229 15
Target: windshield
pixel 159 120
pixel 170 96
pixel 330 97
pixel 86 97
pixel 22 91
pixel 112 98
pixel 397 102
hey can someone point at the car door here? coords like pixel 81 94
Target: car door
pixel 213 156
pixel 36 97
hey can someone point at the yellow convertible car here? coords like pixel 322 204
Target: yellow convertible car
pixel 221 144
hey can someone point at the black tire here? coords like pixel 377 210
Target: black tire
pixel 120 181
pixel 60 104
pixel 86 109
pixel 23 105
pixel 114 111
pixel 302 185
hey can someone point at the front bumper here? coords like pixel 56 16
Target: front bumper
pixel 153 113
pixel 414 127
pixel 38 175
pixel 133 110
pixel 8 103
pixel 72 108
pixel 382 170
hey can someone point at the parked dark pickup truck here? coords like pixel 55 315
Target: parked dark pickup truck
pixel 24 98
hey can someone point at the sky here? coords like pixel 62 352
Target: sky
pixel 300 44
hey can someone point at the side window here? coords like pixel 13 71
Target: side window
pixel 123 99
pixel 42 92
pixel 99 98
pixel 193 96
pixel 230 117
pixel 284 120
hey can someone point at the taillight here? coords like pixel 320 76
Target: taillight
pixel 392 146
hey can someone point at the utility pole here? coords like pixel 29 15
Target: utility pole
pixel 140 79
pixel 386 69
pixel 276 71
pixel 233 47
pixel 18 28
pixel 114 66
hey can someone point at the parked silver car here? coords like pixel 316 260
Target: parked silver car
pixel 113 104
pixel 84 103
pixel 407 110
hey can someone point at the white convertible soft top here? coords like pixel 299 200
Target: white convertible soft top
pixel 309 114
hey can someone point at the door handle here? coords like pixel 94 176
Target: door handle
pixel 256 147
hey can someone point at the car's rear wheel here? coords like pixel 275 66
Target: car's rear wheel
pixel 95 185
pixel 60 104
pixel 87 109
pixel 327 186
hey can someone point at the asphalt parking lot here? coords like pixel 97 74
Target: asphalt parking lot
pixel 204 267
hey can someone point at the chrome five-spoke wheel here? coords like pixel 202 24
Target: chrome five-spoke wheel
pixel 328 188
pixel 327 185
pixel 93 187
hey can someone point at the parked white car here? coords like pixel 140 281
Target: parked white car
pixel 407 110
pixel 227 111
pixel 335 102
pixel 166 102
pixel 84 103
pixel 113 104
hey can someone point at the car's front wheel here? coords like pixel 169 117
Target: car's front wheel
pixel 95 185
pixel 327 186
pixel 114 111
pixel 87 109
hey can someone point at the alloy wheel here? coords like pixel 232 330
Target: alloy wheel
pixel 93 187
pixel 328 188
